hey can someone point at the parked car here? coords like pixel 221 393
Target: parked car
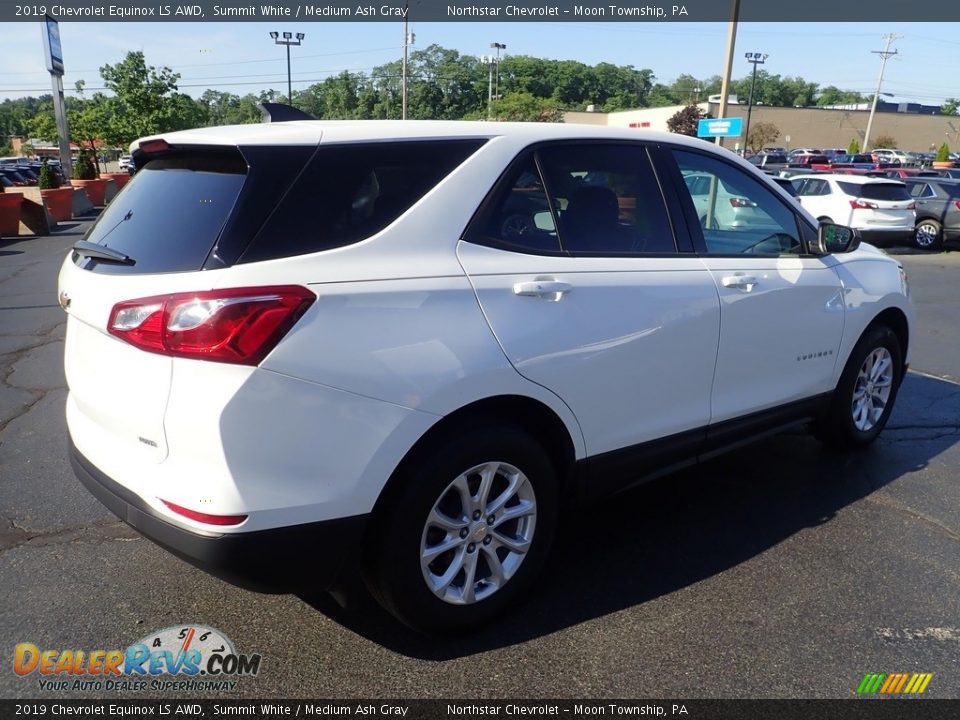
pixel 909 172
pixel 804 151
pixel 833 152
pixel 719 206
pixel 881 209
pixel 786 186
pixel 301 350
pixel 810 160
pixel 15 177
pixel 769 162
pixel 949 172
pixel 126 163
pixel 938 211
pixel 862 161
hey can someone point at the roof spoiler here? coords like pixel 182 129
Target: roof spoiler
pixel 278 112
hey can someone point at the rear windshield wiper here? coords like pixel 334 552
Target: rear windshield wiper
pixel 83 248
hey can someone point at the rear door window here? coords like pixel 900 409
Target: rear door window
pixel 876 191
pixel 349 192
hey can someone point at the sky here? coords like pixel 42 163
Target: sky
pixel 241 57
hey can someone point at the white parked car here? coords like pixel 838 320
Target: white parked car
pixel 302 350
pixel 126 162
pixel 881 208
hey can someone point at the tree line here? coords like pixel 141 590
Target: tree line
pixel 442 84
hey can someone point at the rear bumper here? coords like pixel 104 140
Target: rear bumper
pixel 297 558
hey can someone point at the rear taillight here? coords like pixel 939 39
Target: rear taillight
pixel 862 205
pixel 237 325
pixel 912 206
pixel 207 518
pixel 742 202
pixel 956 204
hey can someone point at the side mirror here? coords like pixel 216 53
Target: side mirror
pixel 543 220
pixel 833 238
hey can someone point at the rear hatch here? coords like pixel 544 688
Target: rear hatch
pixel 187 213
pixel 880 204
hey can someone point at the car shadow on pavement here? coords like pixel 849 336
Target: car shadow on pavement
pixel 683 528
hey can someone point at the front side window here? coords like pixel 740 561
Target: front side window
pixel 736 212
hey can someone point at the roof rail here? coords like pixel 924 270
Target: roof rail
pixel 278 112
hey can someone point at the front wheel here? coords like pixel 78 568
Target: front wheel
pixel 467 531
pixel 864 397
pixel 926 235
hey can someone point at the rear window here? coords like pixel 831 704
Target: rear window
pixel 349 192
pixel 951 189
pixel 169 216
pixel 774 158
pixel 876 191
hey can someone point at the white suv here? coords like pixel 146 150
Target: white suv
pixel 880 208
pixel 301 350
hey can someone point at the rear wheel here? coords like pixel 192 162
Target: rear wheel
pixel 864 397
pixel 467 531
pixel 926 235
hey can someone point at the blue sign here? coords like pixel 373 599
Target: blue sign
pixel 720 127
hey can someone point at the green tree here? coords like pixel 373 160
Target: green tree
pixel 762 133
pixel 146 101
pixel 524 107
pixel 950 106
pixel 831 95
pixel 943 153
pixel 885 141
pixel 854 147
pixel 686 121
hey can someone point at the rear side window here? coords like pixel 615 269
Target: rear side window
pixel 349 192
pixel 170 215
pixel 876 191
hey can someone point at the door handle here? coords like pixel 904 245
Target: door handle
pixel 743 282
pixel 549 289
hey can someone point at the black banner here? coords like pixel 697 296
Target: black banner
pixel 480 11
pixel 856 709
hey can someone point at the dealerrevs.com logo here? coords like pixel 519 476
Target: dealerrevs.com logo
pixel 186 658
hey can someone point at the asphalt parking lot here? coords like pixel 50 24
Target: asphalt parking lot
pixel 782 570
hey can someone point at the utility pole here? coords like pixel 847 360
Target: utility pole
pixel 728 61
pixel 403 71
pixel 884 55
pixel 488 59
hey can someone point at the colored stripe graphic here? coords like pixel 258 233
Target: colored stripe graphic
pixel 894 683
pixel 871 683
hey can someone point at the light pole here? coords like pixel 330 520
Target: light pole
pixel 288 40
pixel 489 61
pixel 498 47
pixel 756 59
pixel 884 54
pixel 409 39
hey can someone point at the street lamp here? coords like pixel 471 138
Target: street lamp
pixel 489 61
pixel 288 40
pixel 756 59
pixel 496 89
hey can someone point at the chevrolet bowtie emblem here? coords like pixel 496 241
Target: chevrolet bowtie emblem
pixel 64 300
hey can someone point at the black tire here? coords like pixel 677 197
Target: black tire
pixel 928 235
pixel 838 426
pixel 401 532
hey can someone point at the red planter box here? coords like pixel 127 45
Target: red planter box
pixel 96 190
pixel 10 213
pixel 59 202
